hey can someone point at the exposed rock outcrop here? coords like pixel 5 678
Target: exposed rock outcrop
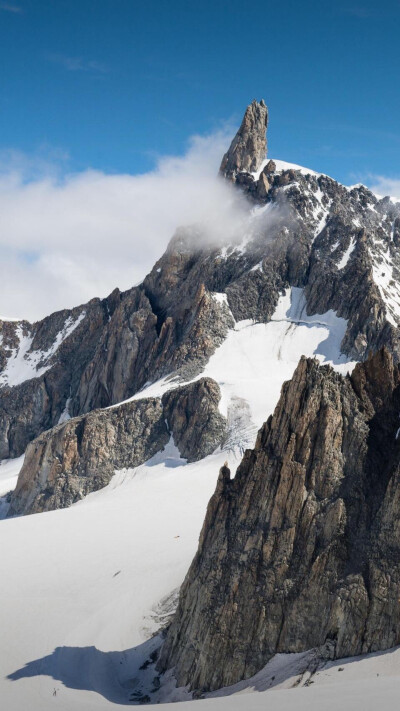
pixel 194 419
pixel 249 147
pixel 40 369
pixel 121 362
pixel 303 545
pixel 67 462
pixel 303 230
pixel 73 459
pixel 117 346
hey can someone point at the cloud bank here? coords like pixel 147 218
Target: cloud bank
pixel 64 240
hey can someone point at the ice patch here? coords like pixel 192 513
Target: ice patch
pixel 24 364
pixel 9 471
pixel 65 416
pixel 346 256
pixel 220 297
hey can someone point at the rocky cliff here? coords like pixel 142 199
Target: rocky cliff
pixel 301 229
pixel 100 354
pixel 69 461
pixel 249 147
pixel 302 546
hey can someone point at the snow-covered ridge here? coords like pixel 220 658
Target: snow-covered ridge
pixel 282 165
pixel 24 363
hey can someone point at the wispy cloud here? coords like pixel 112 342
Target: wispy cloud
pixel 368 10
pixel 383 185
pixel 77 64
pixel 46 162
pixel 80 235
pixel 359 11
pixel 8 7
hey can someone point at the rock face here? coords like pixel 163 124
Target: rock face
pixel 249 147
pixel 303 545
pixel 40 368
pixel 302 548
pixel 194 419
pixel 302 230
pixel 67 462
pixel 116 346
pixel 73 459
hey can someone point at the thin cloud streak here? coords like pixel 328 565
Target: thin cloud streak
pixel 77 64
pixel 7 7
pixel 383 185
pixel 359 11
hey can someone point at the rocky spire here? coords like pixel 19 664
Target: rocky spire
pixel 249 147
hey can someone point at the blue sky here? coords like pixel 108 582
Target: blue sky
pixel 114 84
pixel 114 116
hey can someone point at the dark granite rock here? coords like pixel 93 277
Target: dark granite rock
pixel 302 547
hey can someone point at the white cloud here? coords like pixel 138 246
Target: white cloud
pixel 65 240
pixel 382 185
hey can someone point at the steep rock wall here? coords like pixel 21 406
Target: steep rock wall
pixel 303 545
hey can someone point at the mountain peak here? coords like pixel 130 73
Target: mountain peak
pixel 249 147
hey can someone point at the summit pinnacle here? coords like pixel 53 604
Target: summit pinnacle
pixel 249 147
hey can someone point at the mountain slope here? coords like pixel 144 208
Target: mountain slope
pixel 120 393
pixel 299 229
pixel 301 548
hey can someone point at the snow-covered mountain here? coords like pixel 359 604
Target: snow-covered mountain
pixel 127 408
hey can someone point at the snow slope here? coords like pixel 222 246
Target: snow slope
pixel 255 359
pixel 77 607
pixel 282 165
pixel 386 279
pixel 89 589
pixel 84 588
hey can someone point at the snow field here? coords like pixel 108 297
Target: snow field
pixel 83 588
